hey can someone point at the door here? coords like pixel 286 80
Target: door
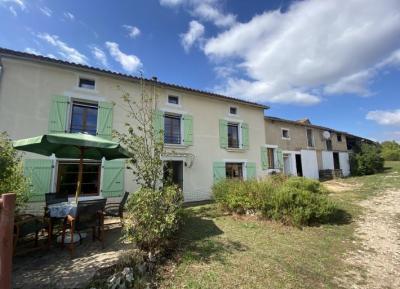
pixel 336 162
pixel 299 167
pixel 309 164
pixel 344 163
pixel 286 164
pixel 173 173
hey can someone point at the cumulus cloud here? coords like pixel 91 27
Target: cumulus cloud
pixel 130 63
pixel 385 117
pixel 65 51
pixel 194 33
pixel 69 16
pixel 327 46
pixel 46 11
pixel 100 55
pixel 206 10
pixel 133 31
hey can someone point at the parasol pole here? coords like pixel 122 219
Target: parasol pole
pixel 78 187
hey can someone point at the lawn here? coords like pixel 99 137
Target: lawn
pixel 221 251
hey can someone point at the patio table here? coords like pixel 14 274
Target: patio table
pixel 63 209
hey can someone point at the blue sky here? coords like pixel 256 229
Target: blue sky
pixel 335 62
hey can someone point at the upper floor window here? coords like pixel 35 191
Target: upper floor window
pixel 172 129
pixel 233 135
pixel 173 99
pixel 234 171
pixel 233 110
pixel 339 137
pixel 285 133
pixel 310 138
pixel 329 144
pixel 84 117
pixel 87 83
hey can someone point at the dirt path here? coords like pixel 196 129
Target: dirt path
pixel 377 264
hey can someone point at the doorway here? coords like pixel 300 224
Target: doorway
pixel 336 162
pixel 286 165
pixel 173 173
pixel 299 167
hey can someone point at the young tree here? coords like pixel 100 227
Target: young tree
pixel 144 137
pixel 390 151
pixel 12 179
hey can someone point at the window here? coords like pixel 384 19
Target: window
pixel 234 171
pixel 233 135
pixel 87 83
pixel 310 138
pixel 68 177
pixel 328 144
pixel 271 158
pixel 172 129
pixel 84 118
pixel 233 110
pixel 339 137
pixel 285 133
pixel 173 99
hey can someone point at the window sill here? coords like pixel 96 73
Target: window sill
pixel 237 150
pixel 175 146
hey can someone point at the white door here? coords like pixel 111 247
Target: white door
pixel 344 163
pixel 286 165
pixel 309 164
pixel 327 160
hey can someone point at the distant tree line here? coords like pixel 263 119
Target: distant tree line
pixel 390 150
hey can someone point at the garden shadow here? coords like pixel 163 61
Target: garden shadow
pixel 338 217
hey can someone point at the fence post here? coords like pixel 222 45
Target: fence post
pixel 7 207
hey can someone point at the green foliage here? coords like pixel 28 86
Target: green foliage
pixel 367 162
pixel 152 217
pixel 294 200
pixel 12 178
pixel 390 150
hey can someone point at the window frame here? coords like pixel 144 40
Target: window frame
pixel 181 128
pixel 288 133
pixel 271 158
pixel 174 96
pixel 241 170
pixel 82 102
pixel 236 110
pixel 339 137
pixel 312 137
pixel 85 162
pixel 239 134
pixel 84 77
pixel 329 149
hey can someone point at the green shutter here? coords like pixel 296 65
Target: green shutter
pixel 105 120
pixel 188 129
pixel 264 158
pixel 58 114
pixel 39 173
pixel 251 172
pixel 219 171
pixel 245 136
pixel 113 178
pixel 158 124
pixel 223 133
pixel 279 155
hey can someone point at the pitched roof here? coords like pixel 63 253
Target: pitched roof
pixel 49 60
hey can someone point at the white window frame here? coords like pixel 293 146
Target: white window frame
pixel 181 125
pixel 242 161
pixel 274 147
pixel 173 104
pixel 233 114
pixel 239 124
pixel 82 100
pixel 89 77
pixel 288 131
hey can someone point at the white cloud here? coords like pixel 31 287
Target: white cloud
pixel 100 55
pixel 332 46
pixel 194 33
pixel 206 10
pixel 69 16
pixel 128 62
pixel 67 52
pixel 12 10
pixel 32 51
pixel 385 117
pixel 46 11
pixel 12 4
pixel 133 31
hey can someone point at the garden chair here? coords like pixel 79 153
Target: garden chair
pixel 89 215
pixel 116 209
pixel 50 199
pixel 27 225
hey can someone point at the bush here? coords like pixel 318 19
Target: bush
pixel 153 217
pixel 12 178
pixel 295 200
pixel 390 151
pixel 367 162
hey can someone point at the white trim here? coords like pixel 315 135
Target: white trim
pixel 54 171
pixel 231 114
pixel 173 158
pixel 235 160
pixel 271 146
pixel 288 131
pixel 172 110
pixel 101 176
pixel 234 120
pixel 88 77
pixel 182 124
pixel 173 104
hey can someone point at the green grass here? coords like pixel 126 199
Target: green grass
pixel 221 251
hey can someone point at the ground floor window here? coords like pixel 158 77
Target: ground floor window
pixel 234 171
pixel 271 158
pixel 67 178
pixel 173 173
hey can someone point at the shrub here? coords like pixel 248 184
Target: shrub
pixel 12 178
pixel 152 217
pixel 390 151
pixel 294 200
pixel 367 162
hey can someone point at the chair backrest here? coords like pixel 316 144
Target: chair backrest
pixel 86 215
pixel 123 202
pixel 54 198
